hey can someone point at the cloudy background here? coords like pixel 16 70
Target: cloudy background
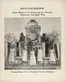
pixel 17 25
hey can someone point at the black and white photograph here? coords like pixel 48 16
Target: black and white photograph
pixel 32 43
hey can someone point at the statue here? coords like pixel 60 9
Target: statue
pixel 33 32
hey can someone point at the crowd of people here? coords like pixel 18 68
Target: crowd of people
pixel 31 54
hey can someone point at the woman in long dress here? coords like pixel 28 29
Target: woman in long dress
pixel 24 58
pixel 52 56
pixel 43 50
pixel 40 57
pixel 12 56
pixel 32 58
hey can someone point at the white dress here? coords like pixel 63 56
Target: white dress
pixel 52 55
pixel 12 56
pixel 24 58
pixel 32 58
pixel 40 59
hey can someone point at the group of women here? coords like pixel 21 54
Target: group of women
pixel 33 59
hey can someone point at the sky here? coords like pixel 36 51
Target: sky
pixel 17 25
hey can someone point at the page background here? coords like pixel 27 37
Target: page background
pixel 58 11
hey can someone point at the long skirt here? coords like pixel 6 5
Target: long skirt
pixel 52 56
pixel 32 58
pixel 12 56
pixel 40 57
pixel 24 58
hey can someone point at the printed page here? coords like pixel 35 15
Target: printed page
pixel 32 41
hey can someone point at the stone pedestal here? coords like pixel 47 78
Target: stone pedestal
pixel 43 49
pixel 17 49
pixel 20 50
pixel 46 61
pixel 6 49
pixel 57 50
pixel 18 60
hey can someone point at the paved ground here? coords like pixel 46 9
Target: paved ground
pixel 28 67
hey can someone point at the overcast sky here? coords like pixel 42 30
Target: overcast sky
pixel 17 25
